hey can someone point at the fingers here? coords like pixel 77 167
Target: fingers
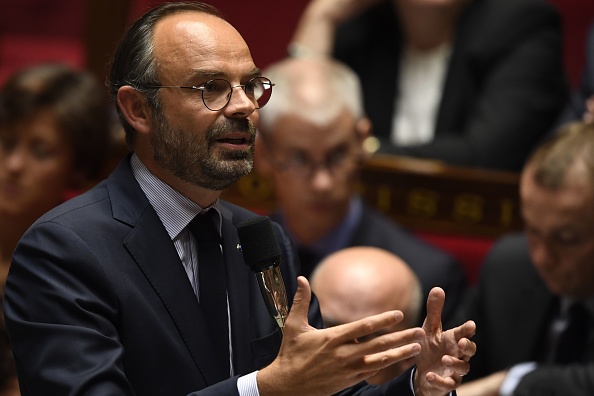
pixel 300 307
pixel 455 366
pixel 397 339
pixel 435 302
pixel 445 384
pixel 385 358
pixel 465 330
pixel 451 378
pixel 367 326
pixel 467 348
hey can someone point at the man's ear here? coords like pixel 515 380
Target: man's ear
pixel 365 136
pixel 135 109
pixel 262 153
pixel 363 128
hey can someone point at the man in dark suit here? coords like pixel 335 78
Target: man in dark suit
pixel 313 136
pixel 112 292
pixel 534 303
pixel 468 82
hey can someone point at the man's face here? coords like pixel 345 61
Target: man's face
pixel 314 171
pixel 36 166
pixel 209 149
pixel 560 232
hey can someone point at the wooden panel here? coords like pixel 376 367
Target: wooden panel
pixel 423 195
pixel 434 197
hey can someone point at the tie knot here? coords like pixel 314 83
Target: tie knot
pixel 204 228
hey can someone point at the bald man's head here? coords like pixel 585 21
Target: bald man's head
pixel 357 282
pixel 361 281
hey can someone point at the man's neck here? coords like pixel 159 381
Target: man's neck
pixel 201 196
pixel 331 233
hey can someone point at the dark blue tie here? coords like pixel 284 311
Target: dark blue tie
pixel 212 287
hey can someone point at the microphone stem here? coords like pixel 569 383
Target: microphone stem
pixel 274 294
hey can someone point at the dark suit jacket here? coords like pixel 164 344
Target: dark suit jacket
pixel 513 309
pixel 98 303
pixel 504 89
pixel 432 266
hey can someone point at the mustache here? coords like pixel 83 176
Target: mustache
pixel 231 125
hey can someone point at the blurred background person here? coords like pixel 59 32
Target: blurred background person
pixel 469 82
pixel 54 140
pixel 534 303
pixel 581 106
pixel 356 282
pixel 311 145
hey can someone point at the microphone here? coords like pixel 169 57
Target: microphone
pixel 262 254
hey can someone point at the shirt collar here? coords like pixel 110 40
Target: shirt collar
pixel 340 236
pixel 174 209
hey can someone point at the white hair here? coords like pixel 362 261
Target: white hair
pixel 313 89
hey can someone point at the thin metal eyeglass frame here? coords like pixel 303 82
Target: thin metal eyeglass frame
pixel 232 87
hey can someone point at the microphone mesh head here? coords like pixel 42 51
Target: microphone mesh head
pixel 259 245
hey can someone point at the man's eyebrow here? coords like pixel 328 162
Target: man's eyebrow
pixel 201 73
pixel 204 73
pixel 256 72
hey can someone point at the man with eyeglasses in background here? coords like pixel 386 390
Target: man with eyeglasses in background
pixel 139 287
pixel 311 145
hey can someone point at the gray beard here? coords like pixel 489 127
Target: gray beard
pixel 192 159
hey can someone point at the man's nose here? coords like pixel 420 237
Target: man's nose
pixel 322 178
pixel 239 103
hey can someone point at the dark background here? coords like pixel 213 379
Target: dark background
pixel 84 32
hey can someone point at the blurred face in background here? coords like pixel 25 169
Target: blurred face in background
pixel 560 231
pixel 35 166
pixel 314 170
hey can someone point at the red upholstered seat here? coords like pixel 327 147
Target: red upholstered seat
pixel 577 17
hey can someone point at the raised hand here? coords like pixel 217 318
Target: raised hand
pixel 322 362
pixel 316 28
pixel 445 354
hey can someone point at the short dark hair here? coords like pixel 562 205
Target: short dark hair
pixel 76 99
pixel 133 62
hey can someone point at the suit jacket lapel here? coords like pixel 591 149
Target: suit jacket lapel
pixel 152 249
pixel 239 279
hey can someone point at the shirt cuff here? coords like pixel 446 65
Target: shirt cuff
pixel 247 385
pixel 514 376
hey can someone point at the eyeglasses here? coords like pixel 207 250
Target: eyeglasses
pixel 340 164
pixel 216 93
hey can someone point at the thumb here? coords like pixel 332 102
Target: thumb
pixel 435 302
pixel 301 301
